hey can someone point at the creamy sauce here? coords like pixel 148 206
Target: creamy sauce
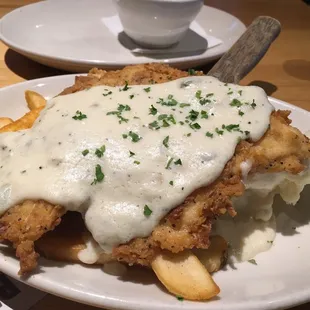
pixel 253 229
pixel 91 254
pixel 125 156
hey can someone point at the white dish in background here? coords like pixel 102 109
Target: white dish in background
pixel 280 280
pixel 71 35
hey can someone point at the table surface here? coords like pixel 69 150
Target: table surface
pixel 284 72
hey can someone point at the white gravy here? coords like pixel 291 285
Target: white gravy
pixel 145 164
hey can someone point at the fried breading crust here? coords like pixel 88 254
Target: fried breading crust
pixel 282 148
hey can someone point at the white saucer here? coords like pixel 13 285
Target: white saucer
pixel 71 35
pixel 279 280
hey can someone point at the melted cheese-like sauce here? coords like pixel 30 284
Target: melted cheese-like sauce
pixel 125 156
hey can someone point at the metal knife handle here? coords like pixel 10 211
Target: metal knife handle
pixel 245 54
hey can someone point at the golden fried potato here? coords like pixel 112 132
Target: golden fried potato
pixel 5 121
pixel 34 100
pixel 184 275
pixel 24 122
pixel 215 257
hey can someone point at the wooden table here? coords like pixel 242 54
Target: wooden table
pixel 284 72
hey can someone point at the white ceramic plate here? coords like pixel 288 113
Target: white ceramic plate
pixel 281 278
pixel 70 35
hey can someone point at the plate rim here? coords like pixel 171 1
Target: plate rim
pixel 72 61
pixel 289 300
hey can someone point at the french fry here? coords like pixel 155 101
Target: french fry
pixel 34 100
pixel 215 257
pixel 5 121
pixel 184 275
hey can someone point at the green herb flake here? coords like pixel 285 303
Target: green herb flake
pixel 179 298
pixel 270 241
pixel 131 96
pixel 131 154
pixel 210 95
pixel 125 88
pixel 183 105
pixel 154 125
pixel 147 211
pixel 99 152
pixel 122 119
pixel 136 162
pixel 198 94
pixel 219 132
pixel 181 123
pixel 171 119
pixel 209 134
pixel 193 115
pixel 231 127
pixel 188 135
pixel 166 141
pixel 191 72
pixel 124 136
pixel 204 114
pixel 147 90
pixel 107 94
pixel 240 92
pixel 169 163
pixel 241 113
pixel 134 137
pixel 247 132
pixel 171 183
pixel 203 101
pixel 178 162
pixel 122 107
pixel 236 103
pixel 79 116
pixel 113 113
pixel 165 123
pixel 153 110
pixel 230 93
pixel 252 261
pixel 195 126
pixel 85 152
pixel 162 116
pixel 99 175
pixel 169 102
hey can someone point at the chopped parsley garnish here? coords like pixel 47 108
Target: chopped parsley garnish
pixel 203 101
pixel 99 175
pixel 125 87
pixel 236 103
pixel 154 125
pixel 99 152
pixel 230 92
pixel 209 134
pixel 147 211
pixel 169 163
pixel 247 132
pixel 147 90
pixel 241 113
pixel 153 110
pixel 183 105
pixel 171 183
pixel 134 137
pixel 195 126
pixel 188 135
pixel 219 132
pixel 165 123
pixel 191 72
pixel 240 92
pixel 252 261
pixel 193 115
pixel 85 152
pixel 131 154
pixel 171 119
pixel 270 241
pixel 169 102
pixel 231 127
pixel 122 107
pixel 204 114
pixel 79 116
pixel 179 298
pixel 186 84
pixel 181 123
pixel 131 96
pixel 124 136
pixel 122 119
pixel 108 93
pixel 166 141
pixel 253 104
pixel 198 94
pixel 210 95
pixel 178 162
pixel 113 113
pixel 136 162
pixel 162 116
